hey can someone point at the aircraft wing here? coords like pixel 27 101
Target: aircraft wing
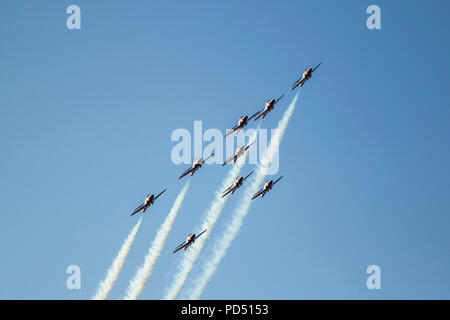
pixel 276 101
pixel 246 148
pixel 227 191
pixel 231 131
pixel 258 194
pixel 257 113
pixel 297 83
pixel 228 160
pixel 181 246
pixel 142 206
pixel 261 113
pixel 159 194
pixel 212 155
pixel 316 67
pixel 196 237
pixel 247 176
pixel 186 172
pixel 277 180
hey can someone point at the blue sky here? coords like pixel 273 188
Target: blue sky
pixel 86 118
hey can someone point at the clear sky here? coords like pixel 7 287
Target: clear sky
pixel 86 118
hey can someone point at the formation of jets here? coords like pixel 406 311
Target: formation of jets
pixel 243 122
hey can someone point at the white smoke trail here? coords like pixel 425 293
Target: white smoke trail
pixel 220 248
pixel 209 220
pixel 113 272
pixel 137 284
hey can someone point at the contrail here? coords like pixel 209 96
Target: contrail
pixel 113 272
pixel 137 284
pixel 241 211
pixel 209 220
